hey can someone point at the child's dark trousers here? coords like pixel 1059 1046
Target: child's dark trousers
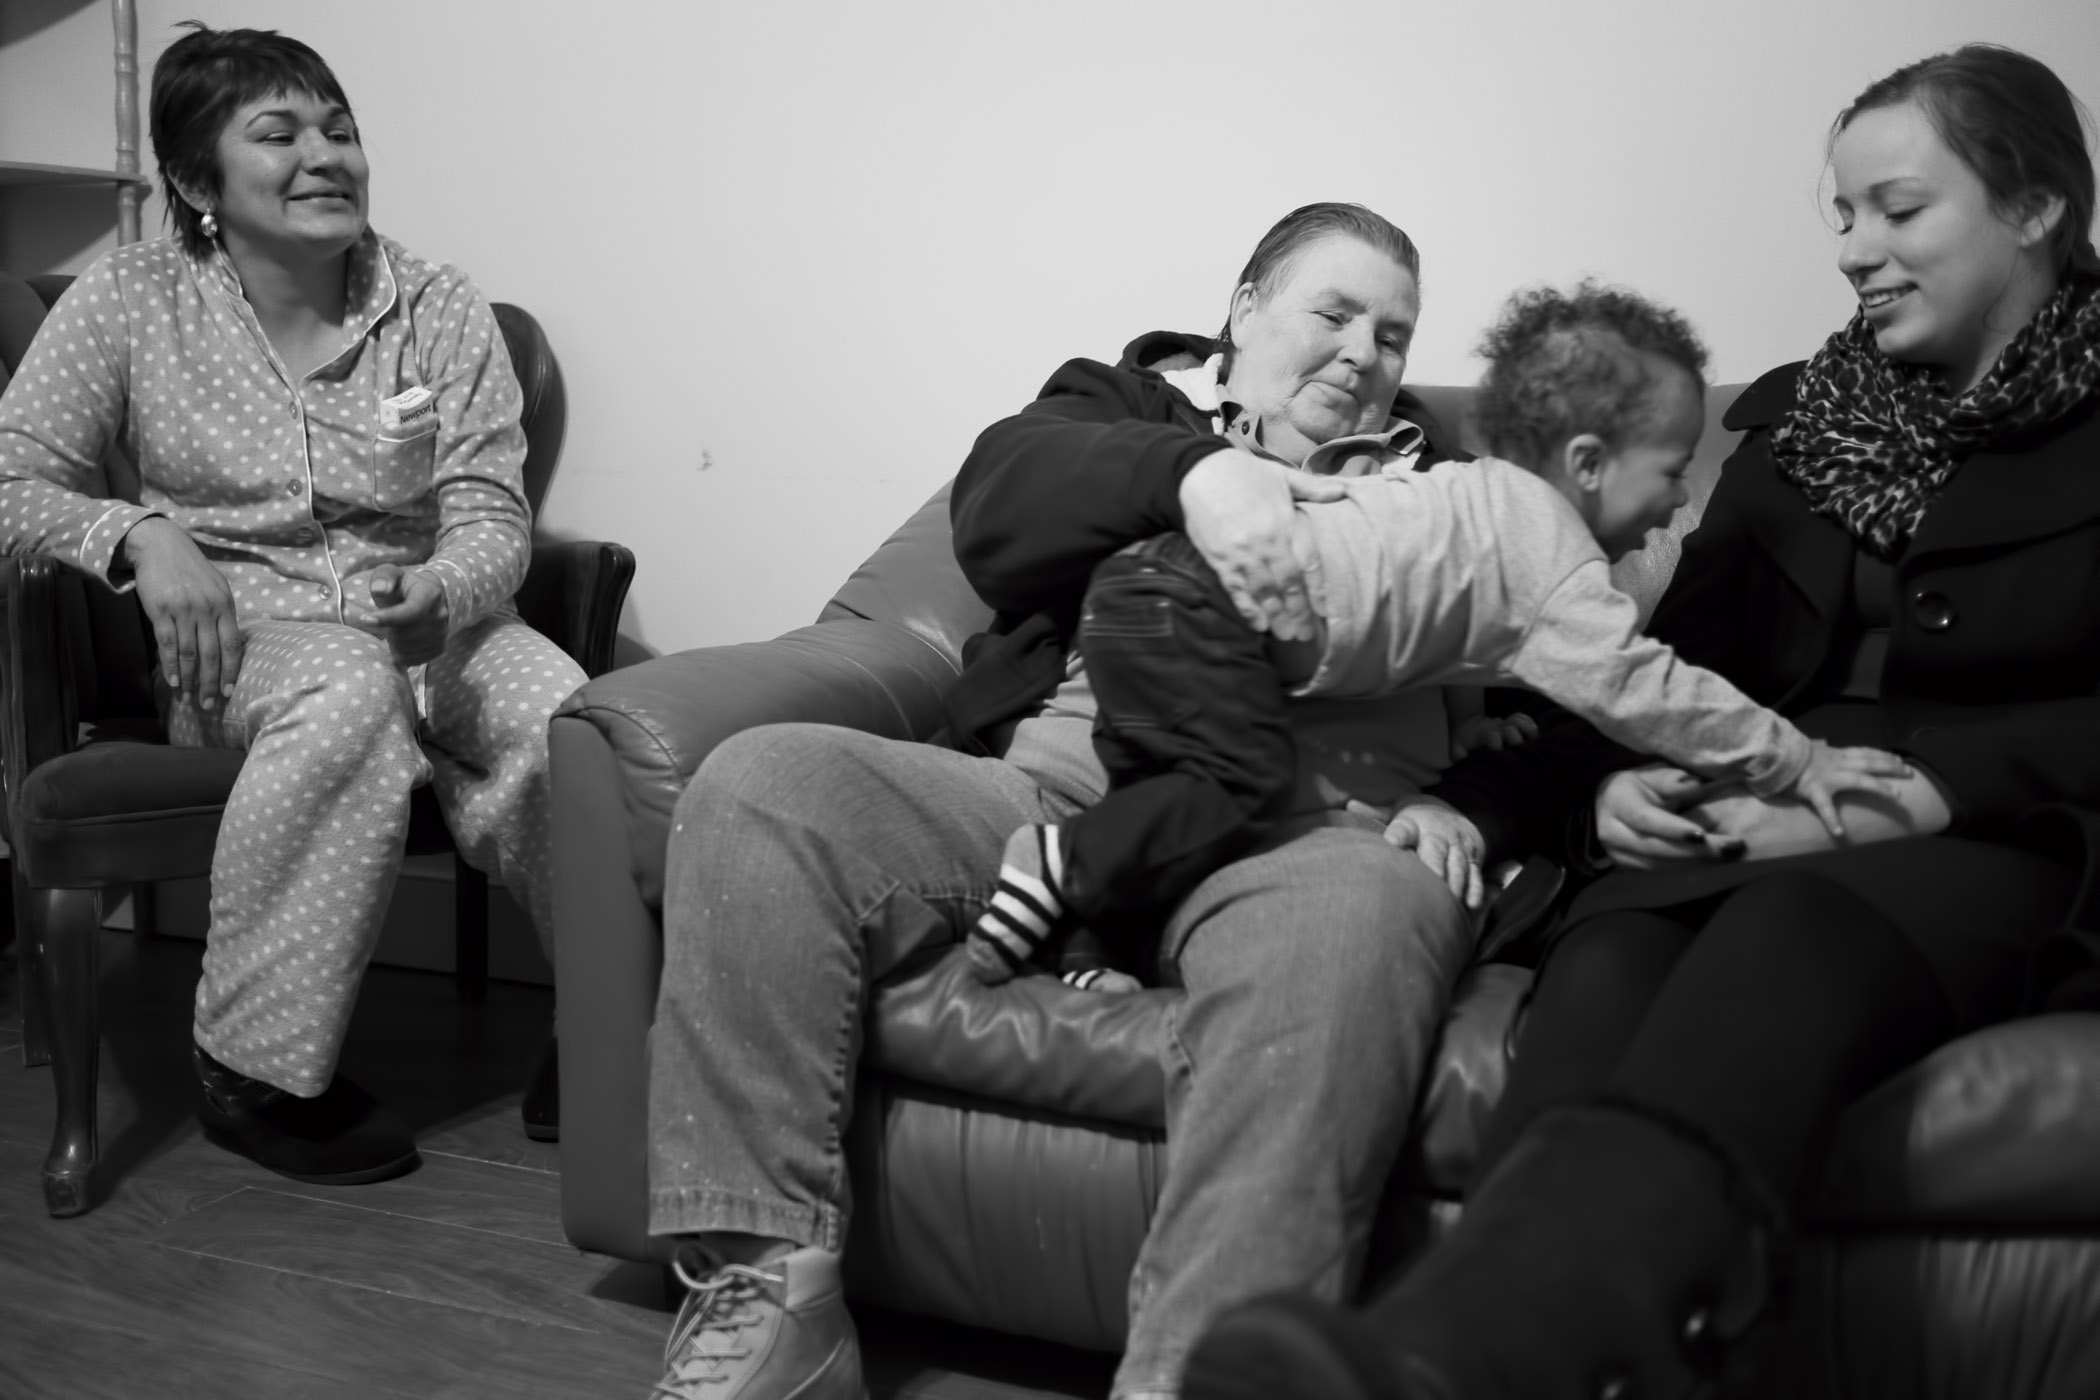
pixel 1190 727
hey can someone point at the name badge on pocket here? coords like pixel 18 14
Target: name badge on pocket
pixel 407 409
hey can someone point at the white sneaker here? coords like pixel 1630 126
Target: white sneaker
pixel 777 1331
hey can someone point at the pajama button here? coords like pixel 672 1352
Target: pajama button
pixel 294 486
pixel 305 535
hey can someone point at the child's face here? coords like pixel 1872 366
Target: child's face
pixel 1639 484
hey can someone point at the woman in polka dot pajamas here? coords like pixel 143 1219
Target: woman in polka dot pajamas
pixel 325 525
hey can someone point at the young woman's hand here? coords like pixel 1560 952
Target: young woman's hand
pixel 412 613
pixel 1236 508
pixel 1648 818
pixel 190 606
pixel 1645 820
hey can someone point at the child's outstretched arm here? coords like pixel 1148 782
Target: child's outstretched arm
pixel 1832 770
pixel 1585 649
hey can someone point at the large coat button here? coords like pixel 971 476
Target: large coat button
pixel 1934 611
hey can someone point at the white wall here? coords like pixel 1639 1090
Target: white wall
pixel 794 255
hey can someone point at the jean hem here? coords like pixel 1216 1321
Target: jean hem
pixel 697 1210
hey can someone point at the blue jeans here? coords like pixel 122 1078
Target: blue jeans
pixel 806 862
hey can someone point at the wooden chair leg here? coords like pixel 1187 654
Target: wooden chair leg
pixel 145 908
pixel 36 1030
pixel 470 932
pixel 61 931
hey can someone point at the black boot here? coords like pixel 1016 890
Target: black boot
pixel 344 1137
pixel 1616 1252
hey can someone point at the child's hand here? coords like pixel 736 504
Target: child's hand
pixel 1831 771
pixel 1446 841
pixel 1491 732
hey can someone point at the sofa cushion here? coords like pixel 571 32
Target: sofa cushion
pixel 2001 1127
pixel 912 581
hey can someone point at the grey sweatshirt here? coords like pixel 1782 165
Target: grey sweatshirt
pixel 1482 573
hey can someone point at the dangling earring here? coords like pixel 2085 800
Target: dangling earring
pixel 208 226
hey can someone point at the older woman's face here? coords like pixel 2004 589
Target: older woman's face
pixel 292 176
pixel 1321 356
pixel 1943 277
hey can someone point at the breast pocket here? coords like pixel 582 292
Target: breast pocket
pixel 404 464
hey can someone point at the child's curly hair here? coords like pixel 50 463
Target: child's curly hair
pixel 1563 363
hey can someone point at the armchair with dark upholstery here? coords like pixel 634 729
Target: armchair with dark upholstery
pixel 1006 1142
pixel 96 797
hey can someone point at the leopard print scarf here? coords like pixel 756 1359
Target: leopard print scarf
pixel 1871 441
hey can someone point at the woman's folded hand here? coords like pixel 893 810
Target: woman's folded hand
pixel 412 613
pixel 190 607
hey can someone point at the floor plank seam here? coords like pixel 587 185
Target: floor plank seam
pixel 417 1299
pixel 397 1215
pixel 489 1161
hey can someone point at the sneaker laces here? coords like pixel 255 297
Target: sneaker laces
pixel 718 1307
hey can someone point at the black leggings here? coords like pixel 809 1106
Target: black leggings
pixel 1758 1021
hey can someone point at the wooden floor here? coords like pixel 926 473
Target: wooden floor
pixel 199 1274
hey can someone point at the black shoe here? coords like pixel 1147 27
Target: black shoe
pixel 343 1138
pixel 1616 1251
pixel 541 1109
pixel 1293 1347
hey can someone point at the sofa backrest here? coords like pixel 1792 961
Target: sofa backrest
pixel 912 581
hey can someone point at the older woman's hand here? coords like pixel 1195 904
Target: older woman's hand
pixel 191 609
pixel 1236 510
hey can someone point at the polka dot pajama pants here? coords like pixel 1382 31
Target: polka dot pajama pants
pixel 337 736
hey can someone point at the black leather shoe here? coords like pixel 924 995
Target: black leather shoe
pixel 541 1109
pixel 345 1137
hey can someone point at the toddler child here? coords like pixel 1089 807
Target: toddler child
pixel 1492 571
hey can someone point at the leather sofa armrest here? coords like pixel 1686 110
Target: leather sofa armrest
pixel 572 596
pixel 663 718
pixel 1033 1041
pixel 42 711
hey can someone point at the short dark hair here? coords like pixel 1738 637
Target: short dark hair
pixel 1299 230
pixel 199 82
pixel 2011 121
pixel 1565 363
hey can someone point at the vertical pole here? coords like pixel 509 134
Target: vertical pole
pixel 130 193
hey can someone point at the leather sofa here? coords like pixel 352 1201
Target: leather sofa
pixel 1007 1143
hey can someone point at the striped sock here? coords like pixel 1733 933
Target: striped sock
pixel 1026 908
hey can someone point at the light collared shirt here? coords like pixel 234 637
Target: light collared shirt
pixel 294 490
pixel 1397 445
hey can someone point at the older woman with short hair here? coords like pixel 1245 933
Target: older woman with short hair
pixel 808 862
pixel 325 528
